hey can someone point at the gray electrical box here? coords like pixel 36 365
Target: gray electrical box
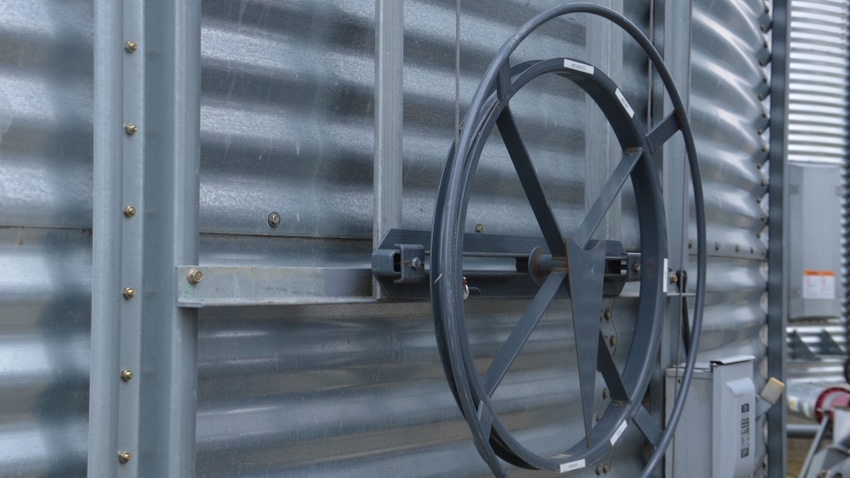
pixel 814 242
pixel 716 436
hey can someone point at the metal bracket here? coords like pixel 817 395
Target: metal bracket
pixel 405 263
pixel 496 265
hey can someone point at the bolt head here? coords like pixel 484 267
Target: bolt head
pixel 274 219
pixel 605 394
pixel 124 457
pixel 612 341
pixel 415 263
pixel 479 228
pixel 672 278
pixel 194 276
pixel 608 314
pixel 129 293
pixel 129 211
pixel 127 375
pixel 131 46
pixel 131 129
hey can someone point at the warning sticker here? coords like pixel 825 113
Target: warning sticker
pixel 818 284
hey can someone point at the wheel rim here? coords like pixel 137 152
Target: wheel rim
pixel 490 108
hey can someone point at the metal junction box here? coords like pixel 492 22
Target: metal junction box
pixel 716 435
pixel 814 244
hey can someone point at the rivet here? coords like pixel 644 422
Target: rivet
pixel 131 46
pixel 126 375
pixel 598 470
pixel 606 468
pixel 759 131
pixel 764 148
pixel 479 228
pixel 752 250
pixel 672 278
pixel 716 246
pixel 129 293
pixel 690 244
pixel 612 341
pixel 124 457
pixel 607 314
pixel 762 28
pixel 763 182
pixel 130 129
pixel 758 200
pixel 605 394
pixel 598 417
pixel 737 248
pixel 129 211
pixel 274 219
pixel 761 96
pixel 761 63
pixel 763 218
pixel 194 276
pixel 758 165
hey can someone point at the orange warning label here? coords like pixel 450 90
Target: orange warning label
pixel 818 284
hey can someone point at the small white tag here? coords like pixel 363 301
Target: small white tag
pixel 625 103
pixel 664 279
pixel 574 65
pixel 573 465
pixel 619 432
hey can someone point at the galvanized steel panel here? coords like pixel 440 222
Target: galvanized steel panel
pixel 817 128
pixel 287 126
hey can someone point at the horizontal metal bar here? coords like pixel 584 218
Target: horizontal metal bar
pixel 225 286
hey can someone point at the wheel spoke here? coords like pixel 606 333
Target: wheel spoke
pixel 519 335
pixel 606 196
pixel 530 183
pixel 587 271
pixel 610 373
pixel 664 131
pixel 647 425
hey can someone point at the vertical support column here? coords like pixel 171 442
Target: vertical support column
pixel 389 85
pixel 146 191
pixel 106 241
pixel 777 284
pixel 604 44
pixel 672 37
pixel 172 163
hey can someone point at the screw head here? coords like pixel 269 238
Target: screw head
pixel 129 293
pixel 124 457
pixel 130 46
pixel 127 375
pixel 129 211
pixel 274 219
pixel 194 276
pixel 130 129
pixel 479 228
pixel 605 394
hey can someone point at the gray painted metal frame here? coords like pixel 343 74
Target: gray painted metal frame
pixel 389 86
pixel 146 195
pixel 777 286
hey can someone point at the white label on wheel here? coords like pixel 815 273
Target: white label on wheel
pixel 619 432
pixel 582 67
pixel 664 279
pixel 624 102
pixel 573 465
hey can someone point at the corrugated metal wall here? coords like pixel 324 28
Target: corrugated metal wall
pixel 817 133
pixel 287 126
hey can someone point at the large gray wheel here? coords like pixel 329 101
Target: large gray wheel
pixel 576 263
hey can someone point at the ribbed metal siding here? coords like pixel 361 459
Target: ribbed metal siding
pixel 818 125
pixel 287 126
pixel 730 121
pixel 45 236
